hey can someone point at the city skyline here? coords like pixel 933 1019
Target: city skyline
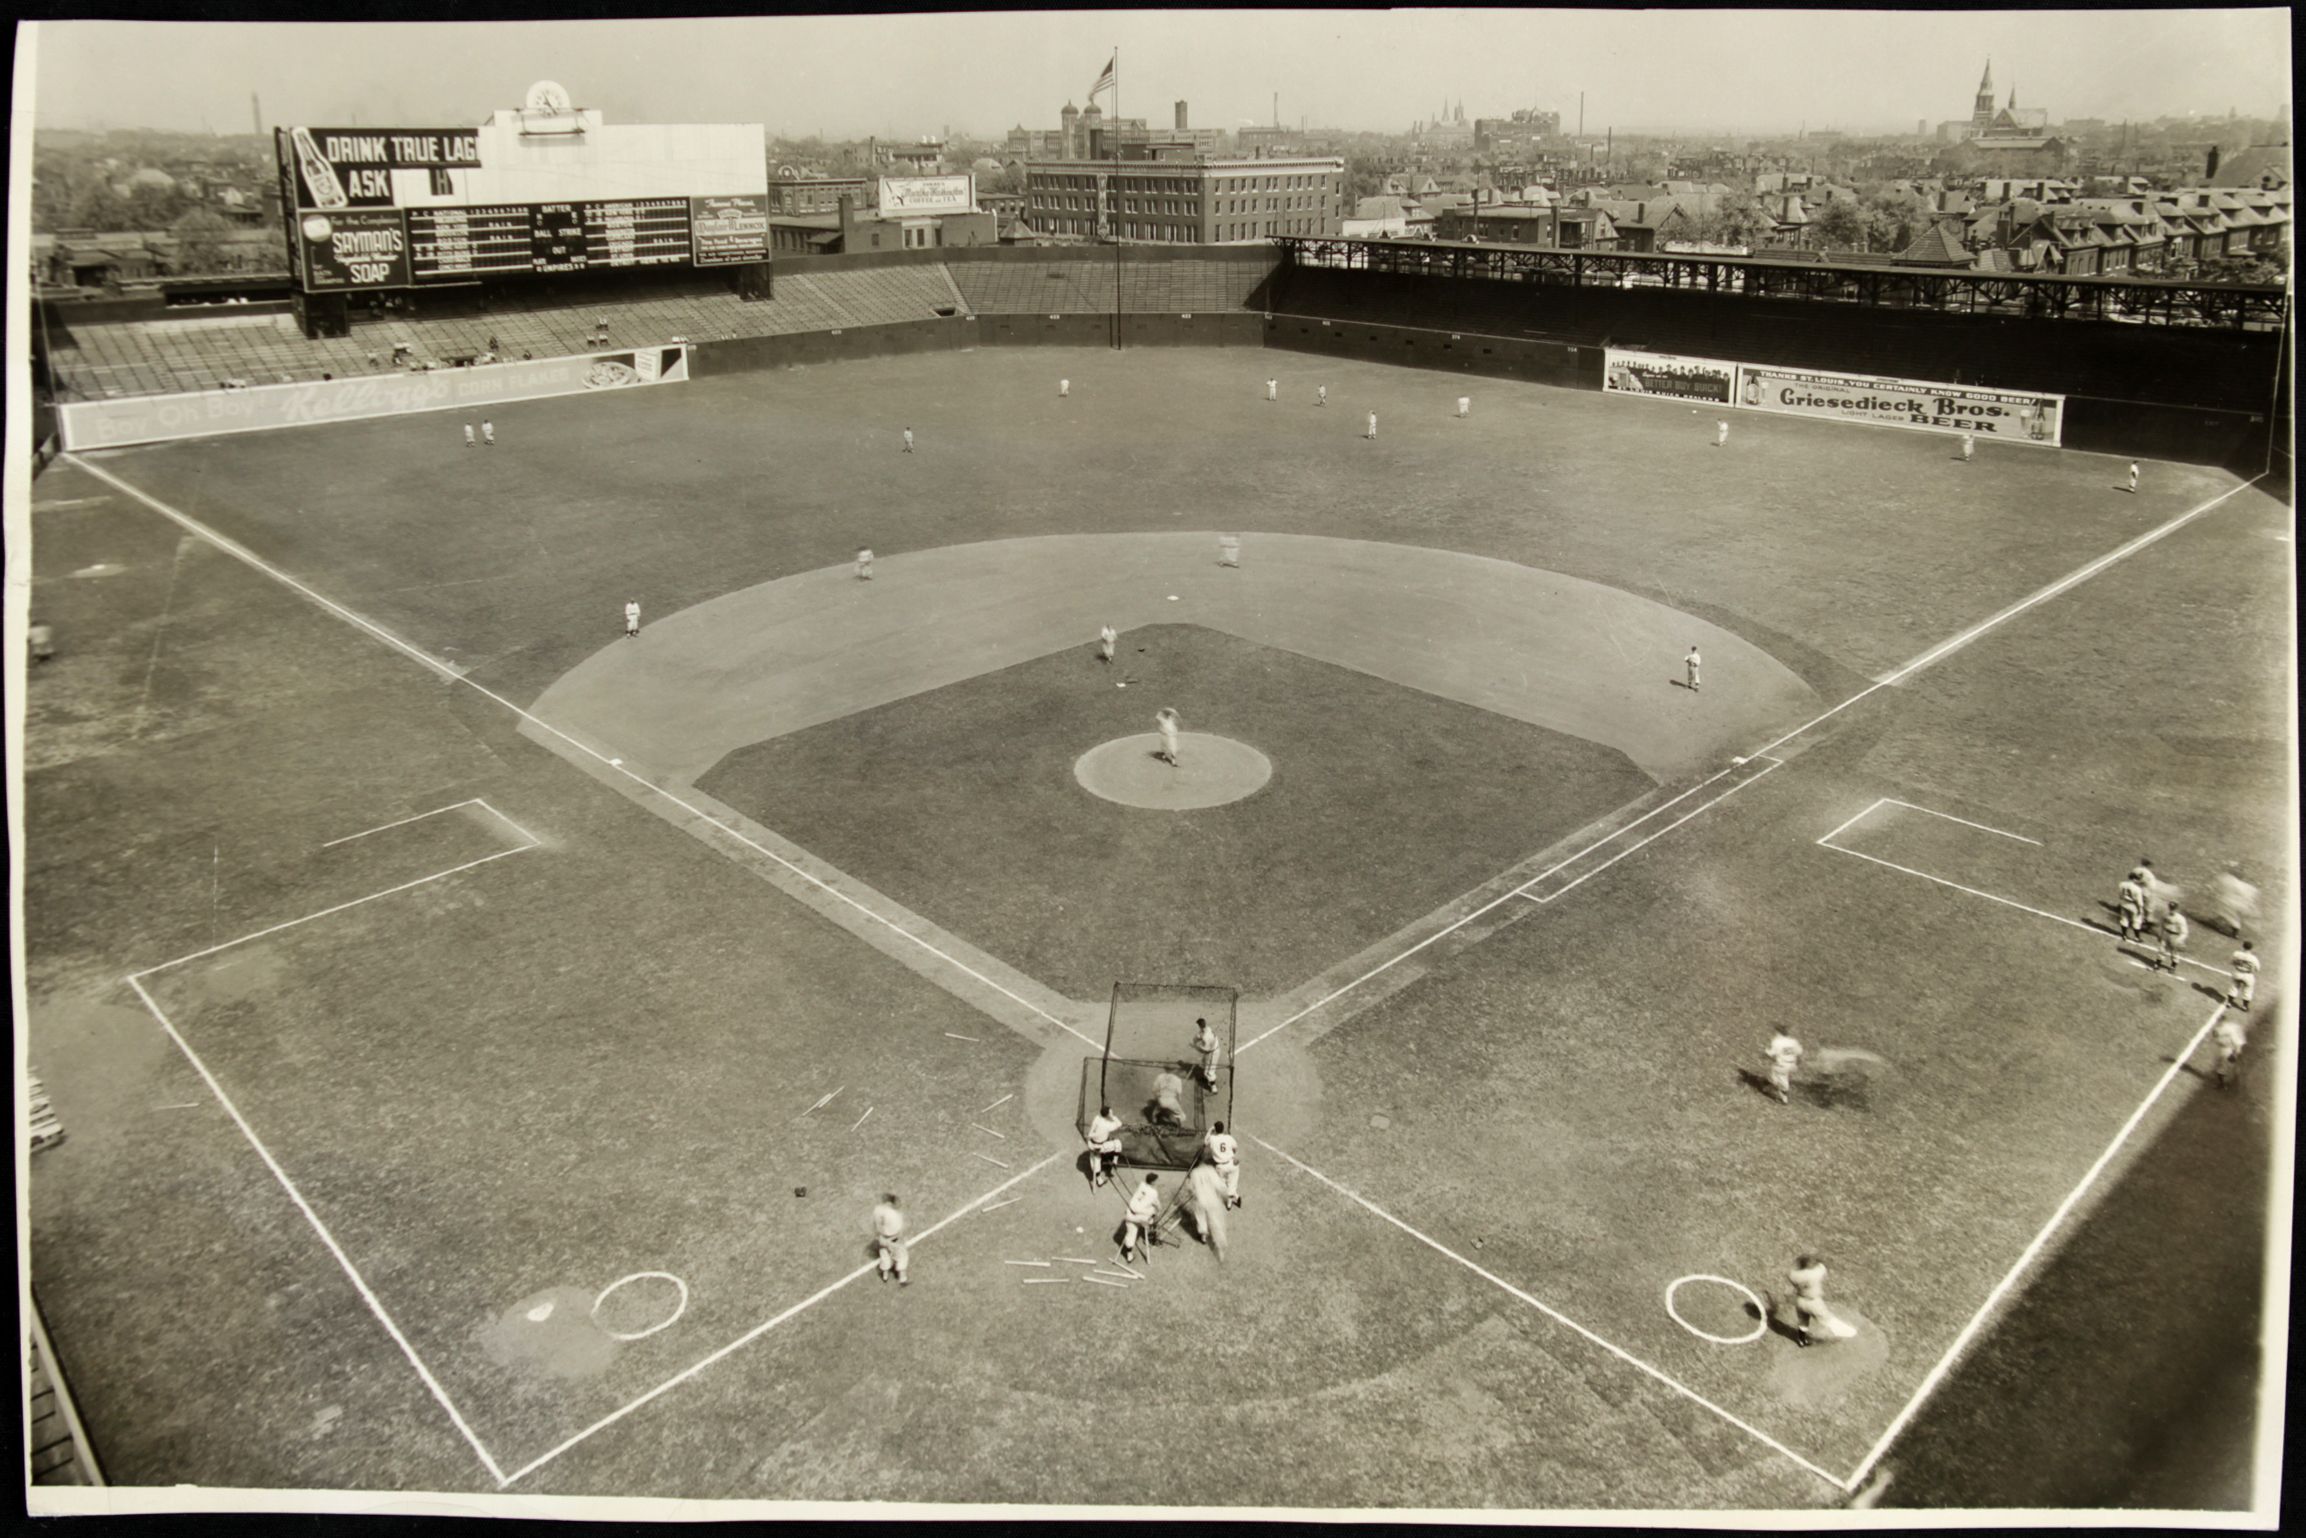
pixel 1646 72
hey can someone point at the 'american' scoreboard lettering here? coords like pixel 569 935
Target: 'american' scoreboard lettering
pixel 449 244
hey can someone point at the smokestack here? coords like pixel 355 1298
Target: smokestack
pixel 1581 114
pixel 1277 109
pixel 1181 117
pixel 255 116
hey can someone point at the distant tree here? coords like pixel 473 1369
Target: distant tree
pixel 1894 220
pixel 1740 222
pixel 201 244
pixel 95 206
pixel 156 208
pixel 1364 177
pixel 1837 224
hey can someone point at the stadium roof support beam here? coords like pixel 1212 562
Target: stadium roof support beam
pixel 2050 296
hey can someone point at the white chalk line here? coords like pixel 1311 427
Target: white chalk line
pixel 1936 653
pixel 665 1323
pixel 1554 1314
pixel 1848 821
pixel 1969 1332
pixel 1964 821
pixel 757 1331
pixel 1775 765
pixel 2041 595
pixel 2040 913
pixel 402 823
pixel 405 886
pixel 243 553
pixel 360 1284
pixel 1442 934
pixel 1523 889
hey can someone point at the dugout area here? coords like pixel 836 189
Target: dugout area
pixel 1149 1035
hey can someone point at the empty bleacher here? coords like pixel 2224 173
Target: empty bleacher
pixel 204 348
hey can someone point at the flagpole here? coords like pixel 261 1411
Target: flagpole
pixel 1116 197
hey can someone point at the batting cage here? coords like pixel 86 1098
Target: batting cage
pixel 1164 1085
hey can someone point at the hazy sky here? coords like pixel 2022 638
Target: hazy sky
pixel 902 76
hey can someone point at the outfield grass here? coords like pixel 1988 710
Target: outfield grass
pixel 590 1058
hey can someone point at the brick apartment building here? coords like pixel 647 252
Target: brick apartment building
pixel 1182 199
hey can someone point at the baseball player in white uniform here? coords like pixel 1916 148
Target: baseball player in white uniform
pixel 1205 1043
pixel 889 1241
pixel 1225 1156
pixel 1104 1139
pixel 1785 1055
pixel 1144 1207
pixel 1167 721
pixel 632 616
pixel 2242 981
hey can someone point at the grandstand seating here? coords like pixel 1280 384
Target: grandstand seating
pixel 201 350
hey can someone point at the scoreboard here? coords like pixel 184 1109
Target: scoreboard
pixel 384 248
pixel 540 191
pixel 452 243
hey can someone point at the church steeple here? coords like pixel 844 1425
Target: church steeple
pixel 1982 110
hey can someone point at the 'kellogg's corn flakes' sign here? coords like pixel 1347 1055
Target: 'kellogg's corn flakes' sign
pixel 156 418
pixel 2006 416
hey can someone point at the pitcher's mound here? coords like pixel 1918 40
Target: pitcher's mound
pixel 1210 771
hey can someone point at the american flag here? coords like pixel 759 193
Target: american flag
pixel 1106 78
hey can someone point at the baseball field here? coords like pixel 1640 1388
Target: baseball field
pixel 483 1035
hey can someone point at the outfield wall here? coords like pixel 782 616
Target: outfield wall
pixel 157 418
pixel 961 333
pixel 2204 397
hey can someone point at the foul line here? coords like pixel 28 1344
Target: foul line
pixel 243 553
pixel 1936 653
pixel 343 1260
pixel 758 1330
pixel 2040 913
pixel 1555 1315
pixel 1523 889
pixel 1937 1373
pixel 2042 595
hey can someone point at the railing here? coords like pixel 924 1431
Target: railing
pixel 2132 300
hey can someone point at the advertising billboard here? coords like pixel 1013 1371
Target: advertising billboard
pixel 154 418
pixel 352 167
pixel 1655 373
pixel 902 195
pixel 351 248
pixel 2008 416
pixel 2003 415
